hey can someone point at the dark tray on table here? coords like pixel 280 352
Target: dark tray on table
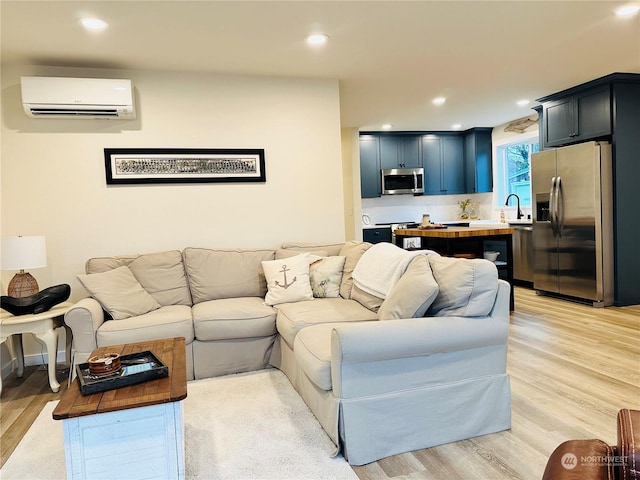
pixel 136 368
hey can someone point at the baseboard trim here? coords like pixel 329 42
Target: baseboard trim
pixel 31 360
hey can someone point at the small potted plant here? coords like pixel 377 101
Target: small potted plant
pixel 464 204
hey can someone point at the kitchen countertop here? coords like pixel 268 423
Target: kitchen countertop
pixel 456 232
pixel 487 222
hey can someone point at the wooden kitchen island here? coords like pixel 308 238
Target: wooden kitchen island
pixel 466 242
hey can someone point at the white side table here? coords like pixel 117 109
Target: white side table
pixel 43 327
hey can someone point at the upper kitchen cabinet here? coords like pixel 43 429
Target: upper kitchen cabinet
pixel 478 160
pixel 443 160
pixel 453 162
pixel 400 151
pixel 370 182
pixel 577 117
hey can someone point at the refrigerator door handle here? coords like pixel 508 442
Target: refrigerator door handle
pixel 552 210
pixel 559 209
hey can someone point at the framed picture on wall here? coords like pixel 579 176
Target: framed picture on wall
pixel 131 166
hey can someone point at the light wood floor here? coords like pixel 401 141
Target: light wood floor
pixel 572 368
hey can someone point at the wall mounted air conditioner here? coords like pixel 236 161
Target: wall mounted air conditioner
pixel 62 97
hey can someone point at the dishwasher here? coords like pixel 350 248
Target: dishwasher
pixel 523 253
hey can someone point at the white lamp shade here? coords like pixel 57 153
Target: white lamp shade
pixel 22 253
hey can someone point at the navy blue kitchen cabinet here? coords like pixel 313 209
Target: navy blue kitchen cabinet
pixel 370 181
pixel 453 162
pixel 478 160
pixel 579 117
pixel 443 161
pixel 400 151
pixel 608 109
pixel 376 235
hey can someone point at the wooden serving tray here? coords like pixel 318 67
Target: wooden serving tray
pixel 136 368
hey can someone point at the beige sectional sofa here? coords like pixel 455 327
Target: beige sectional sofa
pixel 420 365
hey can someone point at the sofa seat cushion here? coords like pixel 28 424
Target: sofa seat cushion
pixel 165 322
pixel 230 318
pixel 312 349
pixel 293 317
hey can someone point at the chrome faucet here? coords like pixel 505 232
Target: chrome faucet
pixel 506 204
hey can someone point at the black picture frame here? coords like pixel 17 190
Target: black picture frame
pixel 139 166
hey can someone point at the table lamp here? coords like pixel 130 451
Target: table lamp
pixel 21 253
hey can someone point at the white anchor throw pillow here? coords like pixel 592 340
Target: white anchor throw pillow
pixel 287 280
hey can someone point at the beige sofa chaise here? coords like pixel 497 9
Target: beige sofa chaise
pixel 422 365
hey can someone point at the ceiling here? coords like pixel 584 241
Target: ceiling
pixel 390 57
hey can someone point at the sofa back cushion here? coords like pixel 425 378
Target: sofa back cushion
pixel 104 264
pixel 322 249
pixel 352 250
pixel 366 299
pixel 215 274
pixel 282 253
pixel 413 294
pixel 468 288
pixel 162 275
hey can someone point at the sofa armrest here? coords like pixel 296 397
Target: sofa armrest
pixel 502 303
pixel 366 342
pixel 375 346
pixel 84 319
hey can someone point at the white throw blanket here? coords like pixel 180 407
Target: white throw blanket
pixel 380 268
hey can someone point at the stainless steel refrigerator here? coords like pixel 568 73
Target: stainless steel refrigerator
pixel 572 222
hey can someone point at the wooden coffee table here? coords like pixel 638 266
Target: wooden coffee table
pixel 130 432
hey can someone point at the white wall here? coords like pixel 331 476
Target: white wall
pixel 407 208
pixel 53 176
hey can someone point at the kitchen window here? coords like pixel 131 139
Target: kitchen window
pixel 513 164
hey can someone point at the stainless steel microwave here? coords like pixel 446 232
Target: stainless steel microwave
pixel 397 181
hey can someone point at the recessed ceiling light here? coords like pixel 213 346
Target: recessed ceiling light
pixel 627 10
pixel 387 126
pixel 317 39
pixel 523 102
pixel 93 24
pixel 456 126
pixel 439 100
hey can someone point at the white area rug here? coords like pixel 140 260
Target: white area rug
pixel 246 426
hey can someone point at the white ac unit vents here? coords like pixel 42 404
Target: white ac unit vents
pixel 63 97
